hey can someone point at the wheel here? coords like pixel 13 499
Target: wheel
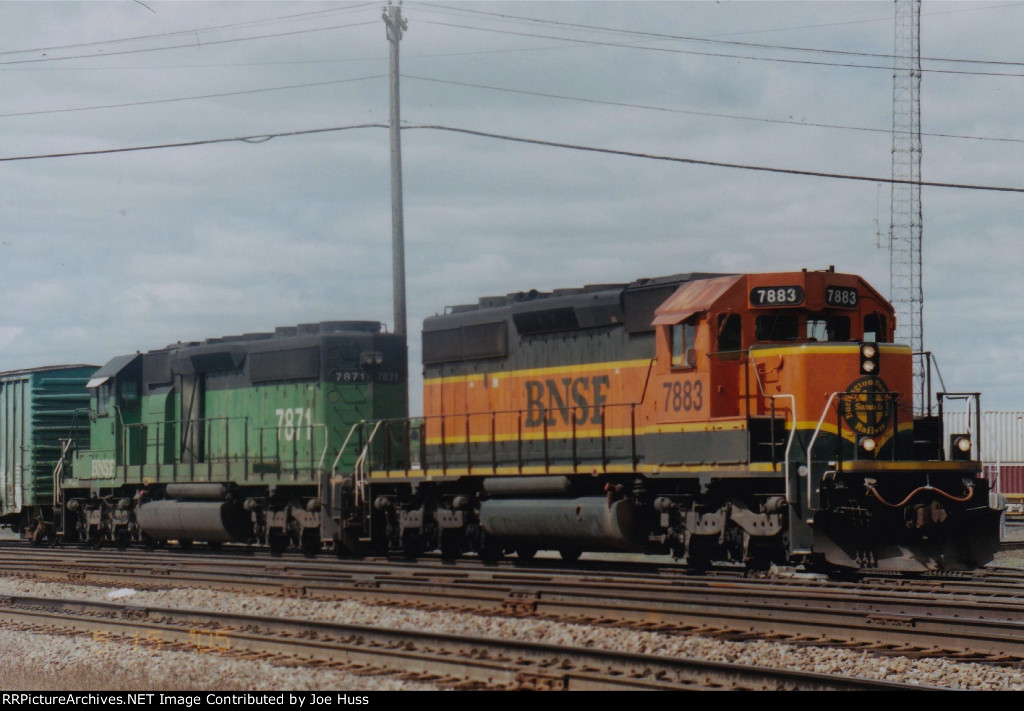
pixel 310 542
pixel 185 544
pixel 570 555
pixel 490 551
pixel 526 553
pixel 412 545
pixel 451 544
pixel 277 541
pixel 38 535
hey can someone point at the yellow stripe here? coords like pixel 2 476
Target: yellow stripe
pixel 815 349
pixel 588 432
pixel 538 372
pixel 564 469
pixel 677 428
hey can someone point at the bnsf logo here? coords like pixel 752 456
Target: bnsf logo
pixel 571 400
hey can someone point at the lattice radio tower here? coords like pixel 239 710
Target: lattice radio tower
pixel 905 289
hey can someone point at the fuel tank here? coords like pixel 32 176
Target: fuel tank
pixel 214 521
pixel 588 523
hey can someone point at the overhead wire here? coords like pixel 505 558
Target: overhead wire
pixel 753 58
pixel 691 112
pixel 710 40
pixel 220 95
pixel 192 45
pixel 264 137
pixel 189 32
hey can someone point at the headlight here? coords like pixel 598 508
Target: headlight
pixel 371 357
pixel 868 444
pixel 960 446
pixel 868 358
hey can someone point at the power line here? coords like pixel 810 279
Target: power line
pixel 190 98
pixel 189 32
pixel 723 55
pixel 524 92
pixel 188 45
pixel 708 40
pixel 692 112
pixel 264 137
pixel 716 164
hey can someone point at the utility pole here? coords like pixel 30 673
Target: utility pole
pixel 395 27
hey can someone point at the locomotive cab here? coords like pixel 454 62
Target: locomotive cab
pixel 801 369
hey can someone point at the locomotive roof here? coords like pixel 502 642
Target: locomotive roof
pixel 229 352
pixel 591 305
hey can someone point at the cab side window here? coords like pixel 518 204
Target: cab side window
pixel 683 337
pixel 876 328
pixel 129 390
pixel 730 333
pixel 101 399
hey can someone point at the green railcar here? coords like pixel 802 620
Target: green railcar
pixel 42 410
pixel 230 439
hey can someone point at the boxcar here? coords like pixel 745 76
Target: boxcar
pixel 39 409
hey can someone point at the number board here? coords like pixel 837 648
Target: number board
pixel 845 296
pixel 776 296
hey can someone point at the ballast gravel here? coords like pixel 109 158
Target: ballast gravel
pixel 53 661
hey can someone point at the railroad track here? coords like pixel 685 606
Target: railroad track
pixel 977 620
pixel 448 660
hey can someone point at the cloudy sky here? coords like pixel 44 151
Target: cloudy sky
pixel 130 250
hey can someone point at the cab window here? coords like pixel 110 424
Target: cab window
pixel 729 332
pixel 129 394
pixel 875 328
pixel 683 337
pixel 101 399
pixel 828 328
pixel 783 326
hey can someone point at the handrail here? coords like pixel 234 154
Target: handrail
pixel 975 432
pixel 568 431
pixel 789 442
pixel 810 447
pixel 358 473
pixel 344 445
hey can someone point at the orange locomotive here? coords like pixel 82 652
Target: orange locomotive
pixel 757 418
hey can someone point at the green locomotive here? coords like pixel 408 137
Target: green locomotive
pixel 229 439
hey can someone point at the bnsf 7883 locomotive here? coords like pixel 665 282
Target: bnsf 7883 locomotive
pixel 759 418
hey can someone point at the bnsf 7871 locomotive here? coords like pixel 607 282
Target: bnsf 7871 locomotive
pixel 759 418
